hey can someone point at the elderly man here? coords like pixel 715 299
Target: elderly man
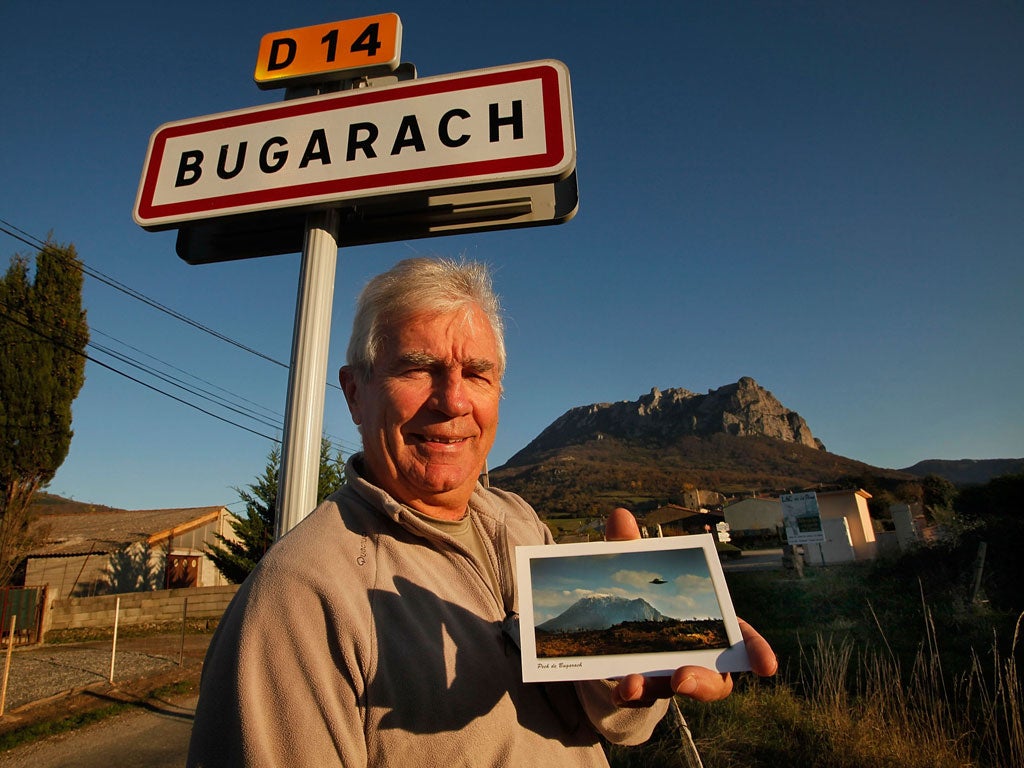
pixel 379 632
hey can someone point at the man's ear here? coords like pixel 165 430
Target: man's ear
pixel 350 382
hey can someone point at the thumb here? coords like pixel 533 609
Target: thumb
pixel 621 526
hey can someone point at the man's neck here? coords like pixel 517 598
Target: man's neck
pixel 450 506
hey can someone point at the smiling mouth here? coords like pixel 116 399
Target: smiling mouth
pixel 442 440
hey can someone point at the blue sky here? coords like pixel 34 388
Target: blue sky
pixel 827 197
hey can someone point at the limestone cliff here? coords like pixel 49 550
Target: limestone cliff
pixel 662 417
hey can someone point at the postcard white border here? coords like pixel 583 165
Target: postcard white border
pixel 732 659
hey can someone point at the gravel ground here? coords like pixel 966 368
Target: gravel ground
pixel 42 672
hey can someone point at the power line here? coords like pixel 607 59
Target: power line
pixel 271 412
pixel 26 326
pixel 335 442
pixel 35 242
pixel 180 385
pixel 240 405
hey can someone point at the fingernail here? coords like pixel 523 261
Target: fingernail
pixel 688 687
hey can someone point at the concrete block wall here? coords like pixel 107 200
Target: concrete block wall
pixel 137 607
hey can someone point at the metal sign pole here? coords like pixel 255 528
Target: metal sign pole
pixel 307 377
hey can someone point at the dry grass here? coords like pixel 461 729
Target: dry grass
pixel 844 709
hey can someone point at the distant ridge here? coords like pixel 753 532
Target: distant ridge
pixel 967 471
pixel 51 504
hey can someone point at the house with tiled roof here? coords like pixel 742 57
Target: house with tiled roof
pixel 93 552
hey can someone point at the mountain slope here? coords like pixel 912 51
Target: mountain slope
pixel 602 612
pixel 657 449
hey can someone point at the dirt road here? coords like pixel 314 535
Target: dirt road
pixel 51 683
pixel 154 735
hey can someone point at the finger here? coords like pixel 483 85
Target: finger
pixel 762 658
pixel 701 684
pixel 640 691
pixel 621 526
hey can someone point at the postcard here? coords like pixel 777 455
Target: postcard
pixel 608 609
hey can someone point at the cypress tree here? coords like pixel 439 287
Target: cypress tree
pixel 43 334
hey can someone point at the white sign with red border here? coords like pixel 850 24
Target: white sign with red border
pixel 500 125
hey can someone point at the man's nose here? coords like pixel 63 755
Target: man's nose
pixel 450 394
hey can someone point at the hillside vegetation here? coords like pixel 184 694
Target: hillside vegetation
pixel 589 478
pixel 733 441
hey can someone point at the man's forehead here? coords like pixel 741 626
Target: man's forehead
pixel 444 334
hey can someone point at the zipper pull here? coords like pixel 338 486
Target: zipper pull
pixel 510 631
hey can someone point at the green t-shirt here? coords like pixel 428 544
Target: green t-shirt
pixel 468 536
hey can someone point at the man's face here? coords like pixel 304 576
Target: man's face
pixel 429 412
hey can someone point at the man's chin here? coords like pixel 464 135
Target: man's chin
pixel 445 485
pixel 445 480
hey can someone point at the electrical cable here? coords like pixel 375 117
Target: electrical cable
pixel 335 443
pixel 271 412
pixel 175 383
pixel 35 242
pixel 100 363
pixel 28 238
pixel 205 394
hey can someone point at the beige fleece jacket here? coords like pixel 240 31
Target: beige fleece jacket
pixel 366 637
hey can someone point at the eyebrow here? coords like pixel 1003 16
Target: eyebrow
pixel 427 360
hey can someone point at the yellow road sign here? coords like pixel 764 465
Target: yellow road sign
pixel 367 45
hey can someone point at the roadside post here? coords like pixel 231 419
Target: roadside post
pixel 361 151
pixel 113 642
pixel 184 625
pixel 7 664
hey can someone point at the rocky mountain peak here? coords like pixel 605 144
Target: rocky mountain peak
pixel 664 416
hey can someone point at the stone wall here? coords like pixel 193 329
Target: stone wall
pixel 137 607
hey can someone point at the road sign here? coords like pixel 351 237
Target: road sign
pixel 802 518
pixel 504 125
pixel 403 217
pixel 329 51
